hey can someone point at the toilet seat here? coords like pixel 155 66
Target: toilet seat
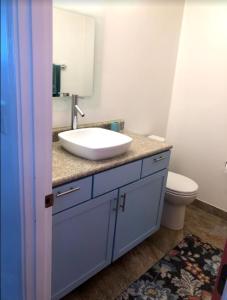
pixel 174 193
pixel 180 185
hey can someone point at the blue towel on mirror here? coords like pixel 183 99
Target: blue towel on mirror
pixel 56 81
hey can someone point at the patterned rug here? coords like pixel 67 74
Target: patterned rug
pixel 187 272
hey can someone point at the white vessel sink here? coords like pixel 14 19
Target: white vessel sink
pixel 95 143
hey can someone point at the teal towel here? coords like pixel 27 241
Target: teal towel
pixel 56 81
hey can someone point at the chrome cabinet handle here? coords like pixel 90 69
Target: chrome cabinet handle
pixel 122 206
pixel 158 159
pixel 59 194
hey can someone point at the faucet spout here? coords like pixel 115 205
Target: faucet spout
pixel 75 110
pixel 79 110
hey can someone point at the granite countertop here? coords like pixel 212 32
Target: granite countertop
pixel 67 167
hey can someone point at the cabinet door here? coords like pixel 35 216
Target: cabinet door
pixel 139 212
pixel 82 242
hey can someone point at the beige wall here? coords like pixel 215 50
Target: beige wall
pixel 135 56
pixel 198 116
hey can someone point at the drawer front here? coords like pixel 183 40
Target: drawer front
pixel 71 194
pixel 114 178
pixel 155 163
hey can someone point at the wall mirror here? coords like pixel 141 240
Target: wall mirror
pixel 73 52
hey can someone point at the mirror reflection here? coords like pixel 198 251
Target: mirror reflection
pixel 73 53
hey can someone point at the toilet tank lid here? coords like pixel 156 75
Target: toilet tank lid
pixel 180 183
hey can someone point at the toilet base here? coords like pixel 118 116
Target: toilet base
pixel 173 216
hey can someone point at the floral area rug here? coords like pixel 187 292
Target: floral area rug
pixel 187 272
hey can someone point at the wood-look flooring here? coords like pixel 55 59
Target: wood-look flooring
pixel 110 282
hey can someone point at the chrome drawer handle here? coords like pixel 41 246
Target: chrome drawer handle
pixel 158 159
pixel 59 194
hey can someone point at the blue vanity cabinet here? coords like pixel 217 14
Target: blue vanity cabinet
pixel 99 218
pixel 82 242
pixel 139 212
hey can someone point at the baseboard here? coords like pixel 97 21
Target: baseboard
pixel 210 209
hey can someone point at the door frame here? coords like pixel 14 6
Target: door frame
pixel 42 101
pixel 34 31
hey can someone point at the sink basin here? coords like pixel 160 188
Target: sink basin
pixel 95 143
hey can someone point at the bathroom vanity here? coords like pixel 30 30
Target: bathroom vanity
pixel 103 209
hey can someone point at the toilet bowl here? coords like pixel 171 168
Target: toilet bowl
pixel 180 192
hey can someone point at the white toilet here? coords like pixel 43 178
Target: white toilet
pixel 180 191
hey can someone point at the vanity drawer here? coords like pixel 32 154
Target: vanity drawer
pixel 71 194
pixel 114 178
pixel 155 163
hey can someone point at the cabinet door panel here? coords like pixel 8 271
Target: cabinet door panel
pixel 82 242
pixel 139 212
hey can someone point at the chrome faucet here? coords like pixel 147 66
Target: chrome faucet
pixel 75 110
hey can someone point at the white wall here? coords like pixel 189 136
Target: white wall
pixel 135 56
pixel 198 116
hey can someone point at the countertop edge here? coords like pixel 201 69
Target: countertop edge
pixel 59 182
